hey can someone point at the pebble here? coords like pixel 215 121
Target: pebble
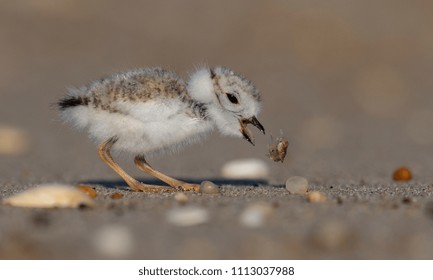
pixel 87 190
pixel 297 185
pixel 245 169
pixel 256 215
pixel 50 196
pixel 407 200
pixel 113 241
pixel 13 141
pixel 402 174
pixel 116 195
pixel 208 187
pixel 187 216
pixel 316 197
pixel 181 197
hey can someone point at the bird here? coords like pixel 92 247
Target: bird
pixel 152 111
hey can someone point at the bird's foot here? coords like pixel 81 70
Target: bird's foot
pixel 140 187
pixel 188 187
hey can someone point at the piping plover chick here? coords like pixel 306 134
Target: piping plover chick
pixel 152 111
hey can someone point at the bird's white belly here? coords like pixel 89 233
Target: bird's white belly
pixel 148 128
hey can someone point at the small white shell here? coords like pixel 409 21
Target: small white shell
pixel 316 197
pixel 256 215
pixel 245 169
pixel 50 196
pixel 181 197
pixel 188 216
pixel 114 241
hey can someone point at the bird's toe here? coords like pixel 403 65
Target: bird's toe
pixel 140 187
pixel 189 187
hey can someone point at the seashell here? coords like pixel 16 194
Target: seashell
pixel 188 216
pixel 245 169
pixel 50 196
pixel 256 215
pixel 114 241
pixel 87 190
pixel 181 197
pixel 402 174
pixel 116 195
pixel 316 197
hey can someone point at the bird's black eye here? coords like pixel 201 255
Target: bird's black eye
pixel 232 98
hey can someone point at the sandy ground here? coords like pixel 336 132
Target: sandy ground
pixel 349 83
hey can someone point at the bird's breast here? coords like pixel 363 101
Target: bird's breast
pixel 156 126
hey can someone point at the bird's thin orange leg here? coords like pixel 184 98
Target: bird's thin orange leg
pixel 141 164
pixel 105 155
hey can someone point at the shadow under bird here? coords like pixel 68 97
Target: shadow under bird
pixel 152 111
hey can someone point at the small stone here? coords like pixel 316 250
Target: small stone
pixel 114 241
pixel 255 215
pixel 50 196
pixel 208 187
pixel 181 197
pixel 402 174
pixel 316 197
pixel 297 185
pixel 245 169
pixel 87 190
pixel 187 216
pixel 116 195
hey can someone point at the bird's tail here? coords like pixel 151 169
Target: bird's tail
pixel 72 101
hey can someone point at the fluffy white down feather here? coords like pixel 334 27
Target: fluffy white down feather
pixel 150 128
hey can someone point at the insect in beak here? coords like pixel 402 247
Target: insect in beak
pixel 246 132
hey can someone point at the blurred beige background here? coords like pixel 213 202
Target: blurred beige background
pixel 349 82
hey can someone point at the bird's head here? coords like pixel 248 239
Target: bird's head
pixel 232 101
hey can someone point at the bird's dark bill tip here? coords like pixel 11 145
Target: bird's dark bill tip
pixel 248 135
pixel 254 121
pixel 251 142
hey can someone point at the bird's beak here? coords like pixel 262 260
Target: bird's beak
pixel 246 132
